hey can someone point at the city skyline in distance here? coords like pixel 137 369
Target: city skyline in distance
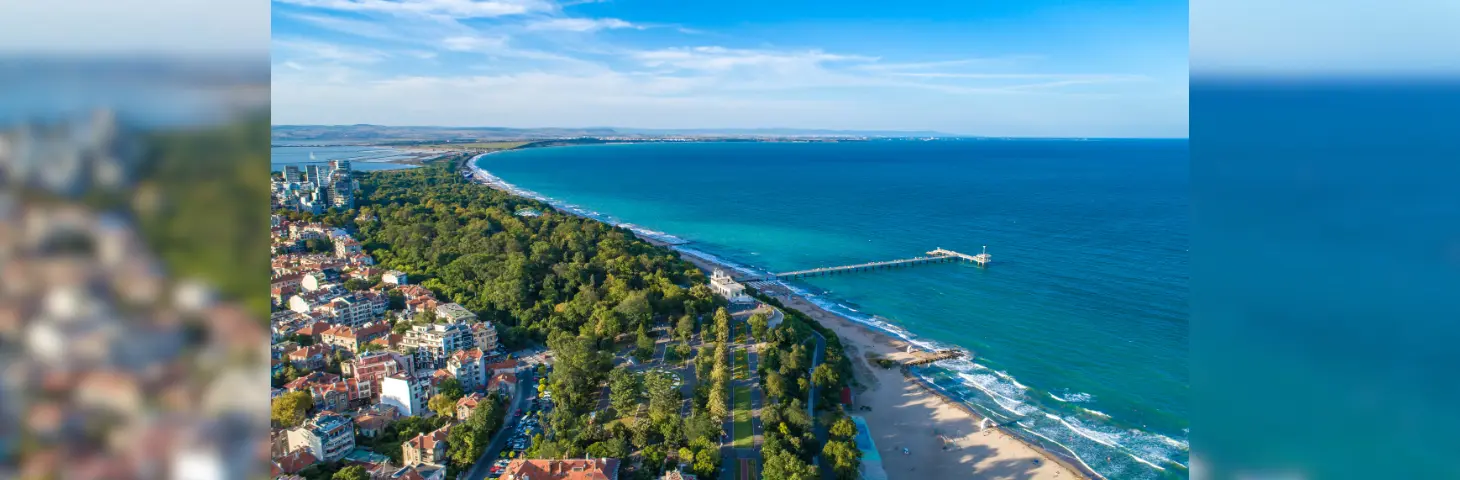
pixel 1039 69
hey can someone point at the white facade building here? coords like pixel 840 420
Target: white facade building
pixel 394 277
pixel 723 285
pixel 406 393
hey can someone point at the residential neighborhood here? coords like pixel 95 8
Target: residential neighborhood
pixel 362 358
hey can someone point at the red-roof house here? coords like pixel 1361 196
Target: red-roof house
pixel 576 469
pixel 293 462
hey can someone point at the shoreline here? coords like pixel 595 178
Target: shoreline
pixel 953 445
pixel 903 404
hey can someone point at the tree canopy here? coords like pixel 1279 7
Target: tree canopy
pixel 290 409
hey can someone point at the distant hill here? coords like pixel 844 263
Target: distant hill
pixel 379 133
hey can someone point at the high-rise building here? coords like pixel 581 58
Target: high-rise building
pixel 313 173
pixel 292 174
pixel 342 192
pixel 340 167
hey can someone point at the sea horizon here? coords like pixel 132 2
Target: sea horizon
pixel 1056 416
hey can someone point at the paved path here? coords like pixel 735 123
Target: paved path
pixel 525 383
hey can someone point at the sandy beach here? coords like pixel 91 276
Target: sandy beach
pixel 942 437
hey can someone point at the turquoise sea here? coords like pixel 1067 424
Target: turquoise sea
pixel 1079 325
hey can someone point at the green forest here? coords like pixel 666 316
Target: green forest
pixel 533 275
pixel 581 287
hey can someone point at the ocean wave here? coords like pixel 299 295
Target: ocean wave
pixel 1139 445
pixel 1077 397
pixel 1067 449
pixel 1005 395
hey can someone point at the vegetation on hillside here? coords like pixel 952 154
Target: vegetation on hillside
pixel 201 203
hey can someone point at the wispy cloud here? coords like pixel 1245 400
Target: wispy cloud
pixel 989 62
pixel 321 51
pixel 714 58
pixel 581 24
pixel 474 43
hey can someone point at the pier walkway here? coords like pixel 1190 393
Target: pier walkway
pixel 936 255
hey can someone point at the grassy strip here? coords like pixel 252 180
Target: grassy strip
pixel 741 369
pixel 742 418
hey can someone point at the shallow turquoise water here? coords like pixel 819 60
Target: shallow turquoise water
pixel 362 158
pixel 1079 325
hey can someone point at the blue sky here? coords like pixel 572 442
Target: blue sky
pixel 1007 68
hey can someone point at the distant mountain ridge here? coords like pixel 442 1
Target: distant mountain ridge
pixel 364 132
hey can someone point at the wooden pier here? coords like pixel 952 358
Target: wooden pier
pixel 936 255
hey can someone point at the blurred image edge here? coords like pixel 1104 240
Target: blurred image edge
pixel 132 226
pixel 1325 248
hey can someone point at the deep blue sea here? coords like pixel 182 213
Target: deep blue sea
pixel 1079 325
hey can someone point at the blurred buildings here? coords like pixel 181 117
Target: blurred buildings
pixel 116 360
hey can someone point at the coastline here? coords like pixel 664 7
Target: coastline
pixel 945 438
pixel 908 413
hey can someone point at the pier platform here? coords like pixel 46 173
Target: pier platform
pixel 934 256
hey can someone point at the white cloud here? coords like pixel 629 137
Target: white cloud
pixel 580 24
pixel 472 43
pixel 320 51
pixel 447 8
pixel 992 62
pixel 1021 76
pixel 719 58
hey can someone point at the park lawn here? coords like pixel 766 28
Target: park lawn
pixel 742 418
pixel 670 356
pixel 741 368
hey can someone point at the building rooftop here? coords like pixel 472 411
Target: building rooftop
pixel 575 469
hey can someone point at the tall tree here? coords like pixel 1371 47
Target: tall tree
pixel 289 410
pixel 785 465
pixel 843 428
pixel 722 325
pixel 758 324
pixel 824 376
pixel 845 458
pixel 624 391
pixel 442 405
pixel 686 328
pixel 352 472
